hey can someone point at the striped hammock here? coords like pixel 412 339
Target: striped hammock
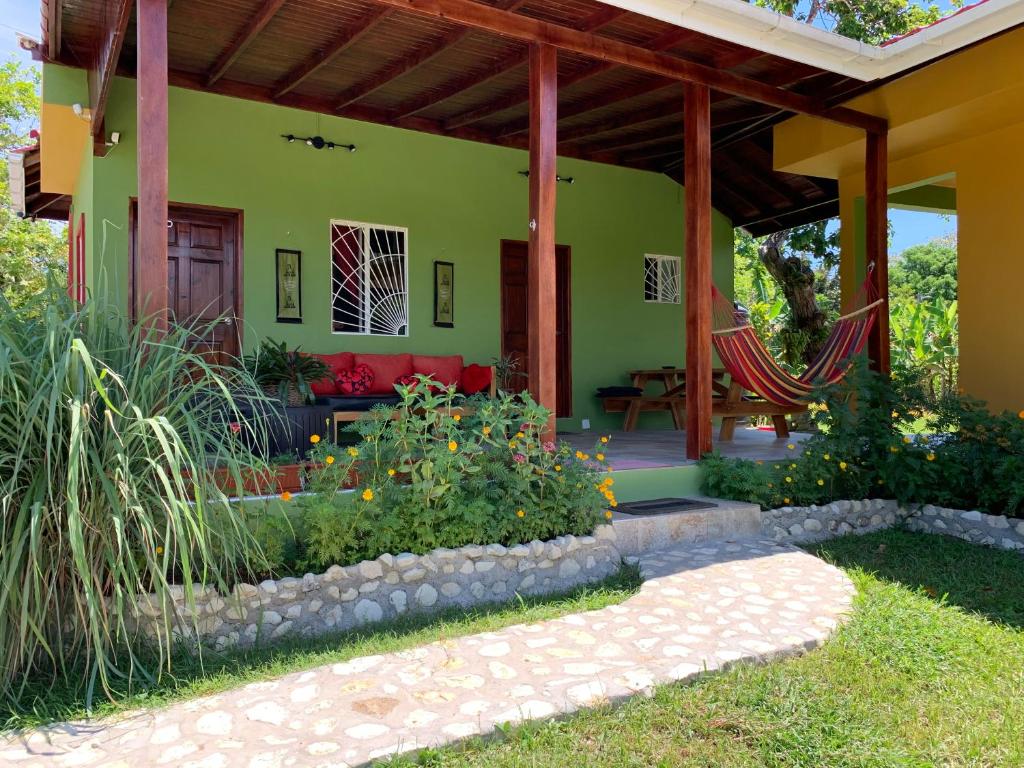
pixel 753 367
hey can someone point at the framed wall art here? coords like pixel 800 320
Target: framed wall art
pixel 289 286
pixel 444 294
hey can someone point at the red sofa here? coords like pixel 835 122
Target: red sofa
pixel 359 381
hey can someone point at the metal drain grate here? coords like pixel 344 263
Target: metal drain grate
pixel 662 507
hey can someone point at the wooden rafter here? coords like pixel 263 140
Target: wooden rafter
pixel 731 167
pixel 101 71
pixel 409 63
pixel 345 38
pixel 248 33
pixel 599 18
pixel 670 39
pixel 52 17
pixel 531 30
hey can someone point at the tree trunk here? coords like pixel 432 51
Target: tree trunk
pixel 796 278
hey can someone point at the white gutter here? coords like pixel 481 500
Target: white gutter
pixel 745 24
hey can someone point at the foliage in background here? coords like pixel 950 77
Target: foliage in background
pixel 427 475
pixel 105 432
pixel 927 271
pixel 29 250
pixel 285 374
pixel 870 21
pixel 971 460
pixel 926 345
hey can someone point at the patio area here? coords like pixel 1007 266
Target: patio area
pixel 652 449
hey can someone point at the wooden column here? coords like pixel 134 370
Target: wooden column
pixel 542 273
pixel 697 159
pixel 150 267
pixel 876 199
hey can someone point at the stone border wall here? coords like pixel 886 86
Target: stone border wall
pixel 817 523
pixel 385 588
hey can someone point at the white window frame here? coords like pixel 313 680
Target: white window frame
pixel 365 228
pixel 659 258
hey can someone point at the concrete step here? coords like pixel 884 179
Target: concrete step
pixel 726 521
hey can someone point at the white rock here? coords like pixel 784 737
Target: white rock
pixel 370 569
pixel 998 521
pixel 416 574
pixel 472 550
pixel 309 583
pixel 387 560
pixel 796 530
pixel 496 550
pixel 466 568
pixel 399 600
pixel 812 525
pixel 335 573
pixel 568 569
pixel 368 586
pixel 267 712
pixel 499 587
pixel 294 611
pixel 367 610
pixel 270 617
pixel 444 554
pixel 391 577
pixel 484 565
pixel 281 630
pixel 405 561
pixel 528 581
pixel 536 548
pixel 268 586
pixel 477 589
pixel 348 595
pixel 450 589
pixel 246 591
pixel 974 515
pixel 519 550
pixel 426 595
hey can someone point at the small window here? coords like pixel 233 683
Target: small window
pixel 661 279
pixel 369 279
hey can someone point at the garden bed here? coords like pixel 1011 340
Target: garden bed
pixel 384 588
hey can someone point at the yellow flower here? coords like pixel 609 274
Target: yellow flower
pixel 368 495
pixel 604 439
pixel 353 452
pixel 329 460
pixel 159 550
pixel 615 504
pixel 391 472
pixel 820 481
pixel 453 446
pixel 789 479
pixel 785 500
pixel 930 457
pixel 520 435
pixel 881 481
pixel 895 414
pixel 486 431
pixel 314 439
pixel 894 449
pixel 286 496
pixel 520 513
pixel 791 446
pixel 558 467
pixel 792 466
pixel 842 465
pixel 608 514
pixel 609 481
pixel 609 467
pixel 457 417
pixel 600 457
pixel 512 444
pixel 580 455
pixel 826 457
pixel 908 439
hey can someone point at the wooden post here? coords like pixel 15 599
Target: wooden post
pixel 876 193
pixel 697 168
pixel 150 267
pixel 542 272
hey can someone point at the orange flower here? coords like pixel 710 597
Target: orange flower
pixel 314 439
pixel 457 417
pixel 608 514
pixel 453 446
pixel 286 496
pixel 368 495
pixel 520 513
pixel 486 431
pixel 329 460
pixel 604 439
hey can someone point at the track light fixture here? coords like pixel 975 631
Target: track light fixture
pixel 317 142
pixel 564 179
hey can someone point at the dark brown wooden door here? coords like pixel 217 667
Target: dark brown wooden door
pixel 203 284
pixel 515 315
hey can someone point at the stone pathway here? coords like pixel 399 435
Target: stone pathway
pixel 702 607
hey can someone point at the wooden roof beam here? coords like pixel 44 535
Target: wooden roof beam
pixel 319 58
pixel 669 39
pixel 409 63
pixel 531 30
pixel 602 17
pixel 53 17
pixel 100 74
pixel 248 33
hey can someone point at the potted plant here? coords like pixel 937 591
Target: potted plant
pixel 285 374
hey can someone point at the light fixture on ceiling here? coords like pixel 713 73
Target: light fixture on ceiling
pixel 317 142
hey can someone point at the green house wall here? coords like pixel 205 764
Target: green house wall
pixel 458 199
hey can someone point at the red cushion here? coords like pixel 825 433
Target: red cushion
pixel 386 368
pixel 444 369
pixel 355 382
pixel 337 362
pixel 476 378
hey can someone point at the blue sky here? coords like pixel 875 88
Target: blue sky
pixel 910 227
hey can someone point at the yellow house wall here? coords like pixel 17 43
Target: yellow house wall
pixel 965 116
pixel 61 160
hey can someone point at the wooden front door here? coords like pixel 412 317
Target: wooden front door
pixel 515 333
pixel 204 276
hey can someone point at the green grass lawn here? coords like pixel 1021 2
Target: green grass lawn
pixel 192 676
pixel 929 671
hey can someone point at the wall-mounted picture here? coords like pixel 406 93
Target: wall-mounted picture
pixel 289 286
pixel 444 294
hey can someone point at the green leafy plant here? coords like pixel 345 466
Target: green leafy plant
pixel 285 374
pixel 442 471
pixel 107 435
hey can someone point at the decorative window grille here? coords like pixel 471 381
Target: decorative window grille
pixel 369 279
pixel 661 279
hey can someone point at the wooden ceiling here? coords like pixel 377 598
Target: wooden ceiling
pixel 39 204
pixel 368 61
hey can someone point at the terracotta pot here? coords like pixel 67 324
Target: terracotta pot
pixel 275 481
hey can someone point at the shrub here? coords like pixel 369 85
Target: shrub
pixel 865 445
pixel 428 475
pixel 106 432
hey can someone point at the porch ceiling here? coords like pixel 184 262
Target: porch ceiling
pixel 367 61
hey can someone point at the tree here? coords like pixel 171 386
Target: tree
pixel 29 250
pixel 926 271
pixel 800 259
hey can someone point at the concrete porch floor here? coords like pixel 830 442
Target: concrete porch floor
pixel 650 449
